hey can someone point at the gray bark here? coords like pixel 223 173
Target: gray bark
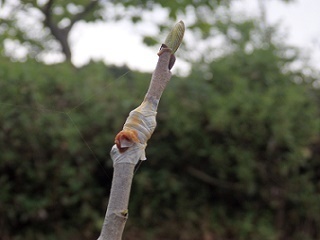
pixel 126 154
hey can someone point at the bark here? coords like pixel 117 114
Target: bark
pixel 130 143
pixel 129 149
pixel 117 213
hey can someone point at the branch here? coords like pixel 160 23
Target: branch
pixel 82 14
pixel 130 145
pixel 204 177
pixel 47 11
pixel 61 34
pixel 47 8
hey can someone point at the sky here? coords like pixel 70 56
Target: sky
pixel 299 21
pixel 120 43
pixel 117 42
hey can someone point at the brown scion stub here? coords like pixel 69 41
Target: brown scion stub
pixel 125 139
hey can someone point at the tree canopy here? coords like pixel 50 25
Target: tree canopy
pixel 41 26
pixel 50 22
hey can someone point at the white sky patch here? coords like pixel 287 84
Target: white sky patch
pixel 299 22
pixel 121 43
pixel 115 43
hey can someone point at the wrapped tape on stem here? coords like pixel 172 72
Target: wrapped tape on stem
pixel 132 155
pixel 131 147
pixel 142 120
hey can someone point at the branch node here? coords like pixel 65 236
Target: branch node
pixel 124 213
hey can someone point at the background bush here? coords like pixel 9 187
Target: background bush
pixel 235 154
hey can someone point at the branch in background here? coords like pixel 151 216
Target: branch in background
pixel 47 8
pixel 61 34
pixel 130 143
pixel 88 8
pixel 204 177
pixel 47 11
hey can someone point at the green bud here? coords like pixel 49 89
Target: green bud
pixel 175 36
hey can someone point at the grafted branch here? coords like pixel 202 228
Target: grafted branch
pixel 130 143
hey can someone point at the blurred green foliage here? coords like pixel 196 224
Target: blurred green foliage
pixel 235 154
pixel 51 182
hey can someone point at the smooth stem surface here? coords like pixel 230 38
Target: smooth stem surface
pixel 116 215
pixel 125 160
pixel 160 77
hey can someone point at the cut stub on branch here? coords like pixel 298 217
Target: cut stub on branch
pixel 126 139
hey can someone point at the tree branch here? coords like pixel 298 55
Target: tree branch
pixel 117 213
pixel 130 146
pixel 88 8
pixel 129 149
pixel 204 177
pixel 61 35
pixel 47 8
